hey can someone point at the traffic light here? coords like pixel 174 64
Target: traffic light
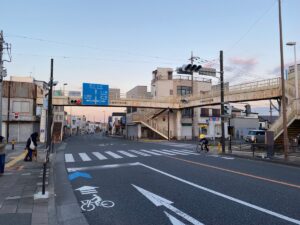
pixel 189 68
pixel 227 110
pixel 75 101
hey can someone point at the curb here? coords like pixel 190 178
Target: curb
pixel 265 160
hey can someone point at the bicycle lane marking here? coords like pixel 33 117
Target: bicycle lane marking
pixel 211 191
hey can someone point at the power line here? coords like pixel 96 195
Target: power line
pixel 94 58
pixel 89 47
pixel 251 27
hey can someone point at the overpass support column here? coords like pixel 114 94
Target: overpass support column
pixel 139 134
pixel 178 125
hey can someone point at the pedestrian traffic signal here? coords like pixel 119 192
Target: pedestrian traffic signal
pixel 227 110
pixel 75 101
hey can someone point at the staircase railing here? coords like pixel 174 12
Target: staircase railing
pixel 291 113
pixel 150 123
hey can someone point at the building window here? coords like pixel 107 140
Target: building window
pixel 216 112
pixel 170 75
pixel 171 92
pixel 21 106
pixel 184 90
pixel 187 113
pixel 204 112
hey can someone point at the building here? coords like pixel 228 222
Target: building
pixel 114 93
pixel 139 92
pixel 21 114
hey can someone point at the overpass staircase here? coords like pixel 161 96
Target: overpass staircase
pixel 147 120
pixel 293 117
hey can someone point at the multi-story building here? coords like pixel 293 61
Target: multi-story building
pixel 177 124
pixel 139 92
pixel 20 112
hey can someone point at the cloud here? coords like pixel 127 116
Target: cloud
pixel 247 64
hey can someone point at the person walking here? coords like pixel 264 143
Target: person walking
pixel 31 146
pixel 2 155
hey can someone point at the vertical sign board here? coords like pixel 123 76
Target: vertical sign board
pixel 95 94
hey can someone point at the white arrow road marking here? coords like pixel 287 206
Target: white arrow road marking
pixel 173 220
pixel 278 215
pixel 236 200
pixel 160 201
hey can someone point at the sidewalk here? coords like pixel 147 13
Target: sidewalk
pixel 20 182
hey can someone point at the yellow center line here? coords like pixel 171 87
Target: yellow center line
pixel 237 172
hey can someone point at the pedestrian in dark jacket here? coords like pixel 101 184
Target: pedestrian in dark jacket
pixel 31 146
pixel 2 155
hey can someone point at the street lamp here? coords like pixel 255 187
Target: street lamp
pixel 295 68
pixel 65 84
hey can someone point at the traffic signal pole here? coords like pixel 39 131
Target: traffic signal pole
pixel 222 102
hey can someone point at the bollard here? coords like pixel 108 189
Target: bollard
pixel 13 144
pixel 219 148
pixel 44 179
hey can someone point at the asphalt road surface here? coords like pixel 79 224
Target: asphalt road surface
pixel 132 183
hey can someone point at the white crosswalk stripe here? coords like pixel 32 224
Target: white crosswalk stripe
pixel 164 151
pixel 84 157
pixel 118 154
pixel 177 152
pixel 114 155
pixel 139 153
pixel 189 152
pixel 150 152
pixel 127 154
pixel 99 155
pixel 69 158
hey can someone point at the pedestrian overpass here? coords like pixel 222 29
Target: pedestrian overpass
pixel 251 91
pixel 244 92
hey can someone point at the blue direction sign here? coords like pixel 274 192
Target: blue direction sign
pixel 95 94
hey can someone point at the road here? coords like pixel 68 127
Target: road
pixel 127 182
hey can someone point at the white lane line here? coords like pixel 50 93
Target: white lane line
pixel 127 154
pixel 215 156
pixel 84 157
pixel 69 158
pixel 159 151
pixel 139 153
pixel 150 152
pixel 114 155
pixel 99 155
pixel 278 215
pixel 224 157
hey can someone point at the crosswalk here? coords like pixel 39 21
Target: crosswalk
pixel 119 154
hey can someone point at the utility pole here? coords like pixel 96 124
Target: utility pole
pixel 222 102
pixel 284 120
pixel 1 78
pixel 3 71
pixel 168 124
pixel 49 122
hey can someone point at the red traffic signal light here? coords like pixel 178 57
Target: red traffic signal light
pixel 76 101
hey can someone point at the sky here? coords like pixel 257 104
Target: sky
pixel 120 43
